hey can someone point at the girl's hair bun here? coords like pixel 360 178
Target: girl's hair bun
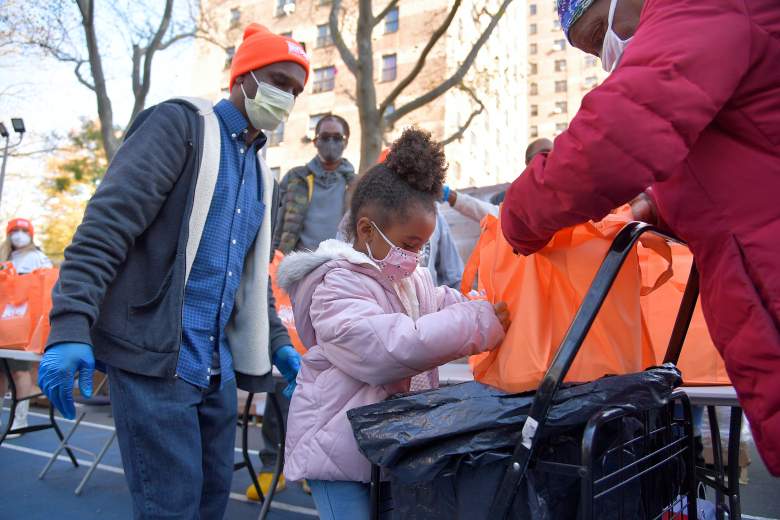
pixel 419 160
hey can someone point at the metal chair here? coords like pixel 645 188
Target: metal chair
pixel 95 401
pixel 243 422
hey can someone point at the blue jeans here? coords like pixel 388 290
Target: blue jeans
pixel 340 499
pixel 177 444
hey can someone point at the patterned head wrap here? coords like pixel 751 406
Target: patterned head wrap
pixel 570 11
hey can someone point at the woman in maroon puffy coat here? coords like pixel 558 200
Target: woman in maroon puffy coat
pixel 693 111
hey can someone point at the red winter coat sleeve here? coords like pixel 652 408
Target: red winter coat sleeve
pixel 683 65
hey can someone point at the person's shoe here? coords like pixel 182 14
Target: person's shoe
pixel 20 417
pixel 305 487
pixel 264 479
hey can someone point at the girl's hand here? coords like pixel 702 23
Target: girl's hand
pixel 502 313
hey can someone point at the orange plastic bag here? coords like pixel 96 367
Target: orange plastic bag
pixel 25 302
pixel 284 306
pixel 543 292
pixel 700 362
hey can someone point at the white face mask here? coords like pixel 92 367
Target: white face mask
pixel 270 106
pixel 20 239
pixel 613 46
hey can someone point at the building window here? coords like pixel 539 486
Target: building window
pixel 324 37
pixel 284 7
pixel 591 81
pixel 533 68
pixel 389 67
pixel 533 89
pixel 561 86
pixel 324 79
pixel 534 110
pixel 559 45
pixel 534 132
pixel 560 127
pixel 532 9
pixel 313 120
pixel 556 24
pixel 561 107
pixel 391 21
pixel 533 29
pixel 235 17
pixel 560 65
pixel 533 49
pixel 229 53
pixel 590 61
pixel 276 137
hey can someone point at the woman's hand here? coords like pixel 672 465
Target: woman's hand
pixel 643 209
pixel 502 313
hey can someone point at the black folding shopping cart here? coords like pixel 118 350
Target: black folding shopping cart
pixel 648 473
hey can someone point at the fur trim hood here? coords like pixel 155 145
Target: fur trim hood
pixel 296 266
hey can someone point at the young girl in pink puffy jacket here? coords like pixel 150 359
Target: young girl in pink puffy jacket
pixel 373 323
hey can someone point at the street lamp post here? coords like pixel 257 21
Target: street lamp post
pixel 18 125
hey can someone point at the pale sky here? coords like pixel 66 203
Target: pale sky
pixel 48 96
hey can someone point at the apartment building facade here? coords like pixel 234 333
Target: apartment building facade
pixel 497 78
pixel 559 75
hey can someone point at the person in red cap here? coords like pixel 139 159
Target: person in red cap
pixel 166 283
pixel 19 249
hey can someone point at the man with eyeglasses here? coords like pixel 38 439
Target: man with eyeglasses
pixel 314 196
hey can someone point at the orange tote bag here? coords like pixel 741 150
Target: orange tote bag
pixel 543 292
pixel 25 302
pixel 284 306
pixel 700 362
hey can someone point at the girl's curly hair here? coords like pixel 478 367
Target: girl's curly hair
pixel 412 173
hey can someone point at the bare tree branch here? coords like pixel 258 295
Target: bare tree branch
pixel 82 79
pixel 458 134
pixel 177 38
pixel 338 38
pixel 457 76
pixel 152 46
pixel 418 67
pixel 384 12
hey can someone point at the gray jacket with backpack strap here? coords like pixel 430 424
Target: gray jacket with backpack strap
pixel 121 286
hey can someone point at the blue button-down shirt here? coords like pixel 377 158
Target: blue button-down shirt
pixel 233 221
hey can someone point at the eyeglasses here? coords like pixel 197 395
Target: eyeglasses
pixel 336 138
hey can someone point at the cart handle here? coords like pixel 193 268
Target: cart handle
pixel 621 246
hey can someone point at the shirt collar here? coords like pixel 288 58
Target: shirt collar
pixel 235 122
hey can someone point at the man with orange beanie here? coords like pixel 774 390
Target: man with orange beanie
pixel 166 283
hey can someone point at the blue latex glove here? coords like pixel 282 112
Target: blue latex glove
pixel 59 365
pixel 445 193
pixel 288 361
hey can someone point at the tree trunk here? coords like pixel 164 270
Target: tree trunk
pixel 105 112
pixel 371 131
pixel 370 119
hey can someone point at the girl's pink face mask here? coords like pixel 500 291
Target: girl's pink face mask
pixel 399 263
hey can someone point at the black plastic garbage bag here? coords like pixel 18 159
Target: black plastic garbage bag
pixel 445 450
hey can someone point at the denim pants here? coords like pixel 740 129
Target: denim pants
pixel 177 444
pixel 340 499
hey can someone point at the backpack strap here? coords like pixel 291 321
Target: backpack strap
pixel 310 185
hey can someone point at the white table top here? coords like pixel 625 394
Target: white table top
pixel 700 395
pixel 712 395
pixel 19 355
pixel 453 373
